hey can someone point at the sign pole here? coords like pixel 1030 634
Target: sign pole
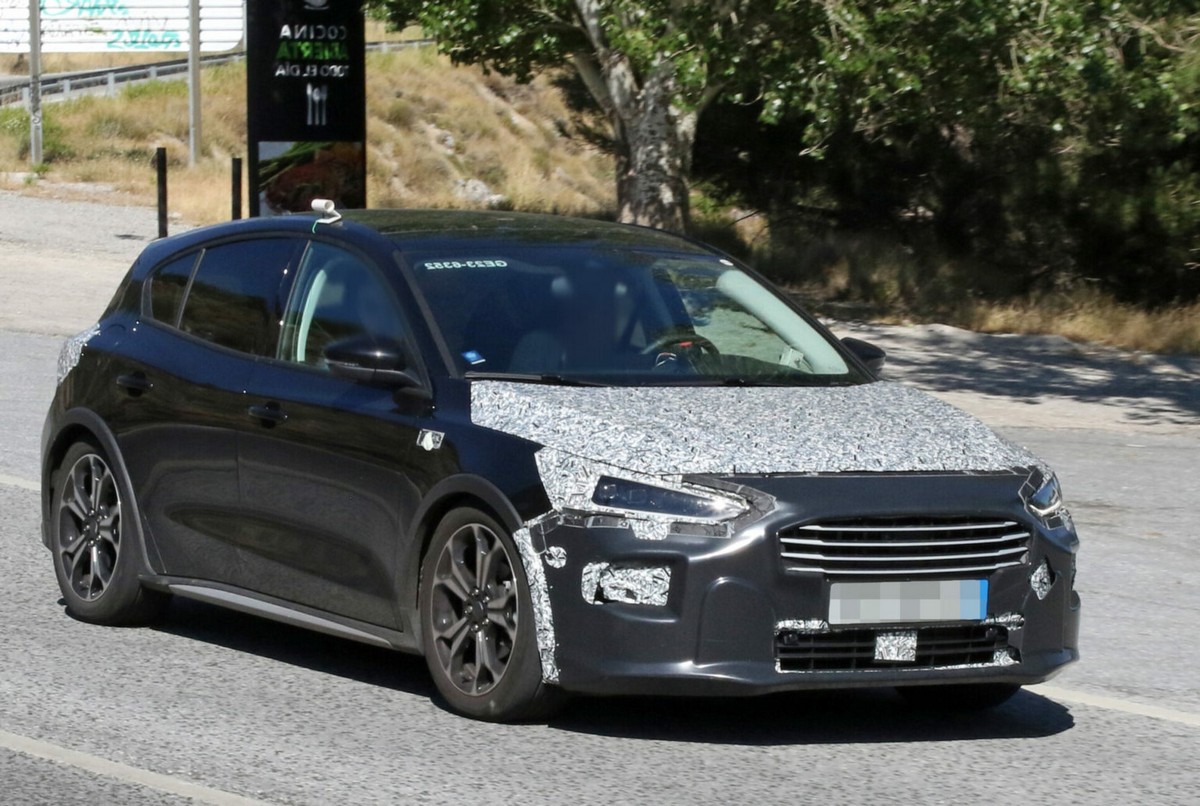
pixel 193 81
pixel 35 82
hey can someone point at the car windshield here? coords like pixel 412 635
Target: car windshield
pixel 616 314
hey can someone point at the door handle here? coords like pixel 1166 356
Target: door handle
pixel 135 383
pixel 268 413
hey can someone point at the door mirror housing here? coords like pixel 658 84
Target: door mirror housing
pixel 370 360
pixel 868 353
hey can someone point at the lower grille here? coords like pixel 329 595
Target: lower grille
pixel 847 650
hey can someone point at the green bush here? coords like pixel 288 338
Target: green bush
pixel 14 125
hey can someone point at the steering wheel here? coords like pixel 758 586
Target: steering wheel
pixel 685 342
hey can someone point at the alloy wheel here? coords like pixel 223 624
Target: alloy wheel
pixel 89 527
pixel 474 609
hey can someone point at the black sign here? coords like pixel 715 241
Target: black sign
pixel 306 104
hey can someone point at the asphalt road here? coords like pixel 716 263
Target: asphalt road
pixel 216 707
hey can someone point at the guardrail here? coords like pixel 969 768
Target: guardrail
pixel 63 84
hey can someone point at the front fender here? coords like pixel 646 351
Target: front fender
pixel 463 490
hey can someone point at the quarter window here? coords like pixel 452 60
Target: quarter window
pixel 168 287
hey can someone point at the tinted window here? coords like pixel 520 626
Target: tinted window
pixel 611 314
pixel 168 286
pixel 337 296
pixel 234 298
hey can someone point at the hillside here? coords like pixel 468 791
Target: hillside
pixel 439 135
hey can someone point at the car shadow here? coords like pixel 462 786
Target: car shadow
pixel 856 716
pixel 859 716
pixel 296 646
pixel 1152 389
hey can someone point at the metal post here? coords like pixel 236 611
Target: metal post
pixel 160 165
pixel 237 188
pixel 194 82
pixel 35 82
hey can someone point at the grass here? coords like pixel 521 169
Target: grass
pixel 869 276
pixel 431 128
pixel 1093 317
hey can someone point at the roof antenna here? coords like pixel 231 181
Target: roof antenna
pixel 327 208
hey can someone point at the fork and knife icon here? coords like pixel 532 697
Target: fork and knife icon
pixel 318 111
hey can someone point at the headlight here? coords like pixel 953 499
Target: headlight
pixel 634 496
pixel 1043 498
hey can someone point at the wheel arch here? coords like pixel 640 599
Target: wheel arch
pixel 452 493
pixel 78 425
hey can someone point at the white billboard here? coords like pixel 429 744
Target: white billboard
pixel 121 26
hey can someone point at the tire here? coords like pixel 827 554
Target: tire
pixel 477 629
pixel 94 542
pixel 961 697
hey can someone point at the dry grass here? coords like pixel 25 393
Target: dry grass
pixel 431 128
pixel 1093 317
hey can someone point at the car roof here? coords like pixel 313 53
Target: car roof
pixel 410 225
pixel 419 228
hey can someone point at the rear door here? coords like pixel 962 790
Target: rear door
pixel 210 315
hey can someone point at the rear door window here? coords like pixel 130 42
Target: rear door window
pixel 235 297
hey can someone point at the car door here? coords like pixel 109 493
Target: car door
pixel 208 316
pixel 332 478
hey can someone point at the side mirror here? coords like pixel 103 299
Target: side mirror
pixel 867 353
pixel 369 360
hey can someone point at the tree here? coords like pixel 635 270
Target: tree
pixel 1045 140
pixel 650 66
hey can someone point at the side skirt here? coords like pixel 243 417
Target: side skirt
pixel 285 612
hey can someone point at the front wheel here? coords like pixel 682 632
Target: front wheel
pixel 959 697
pixel 477 627
pixel 95 552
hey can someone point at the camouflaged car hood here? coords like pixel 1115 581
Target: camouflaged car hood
pixel 875 427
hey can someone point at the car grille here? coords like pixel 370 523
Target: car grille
pixel 903 547
pixel 937 647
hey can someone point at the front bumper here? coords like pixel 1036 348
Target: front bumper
pixel 695 615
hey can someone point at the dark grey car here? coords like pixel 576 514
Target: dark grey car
pixel 550 455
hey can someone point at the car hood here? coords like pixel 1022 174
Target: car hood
pixel 876 427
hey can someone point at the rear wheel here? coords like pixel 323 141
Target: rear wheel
pixel 959 697
pixel 477 625
pixel 95 552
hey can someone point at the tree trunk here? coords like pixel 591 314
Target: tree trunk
pixel 654 162
pixel 653 129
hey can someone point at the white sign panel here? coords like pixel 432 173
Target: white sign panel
pixel 116 26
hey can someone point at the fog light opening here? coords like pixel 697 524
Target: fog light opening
pixel 607 583
pixel 1042 580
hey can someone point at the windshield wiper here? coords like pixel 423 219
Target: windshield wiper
pixel 782 381
pixel 528 377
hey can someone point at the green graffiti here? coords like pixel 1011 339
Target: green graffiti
pixel 89 9
pixel 312 51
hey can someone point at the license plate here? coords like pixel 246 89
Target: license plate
pixel 908 601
